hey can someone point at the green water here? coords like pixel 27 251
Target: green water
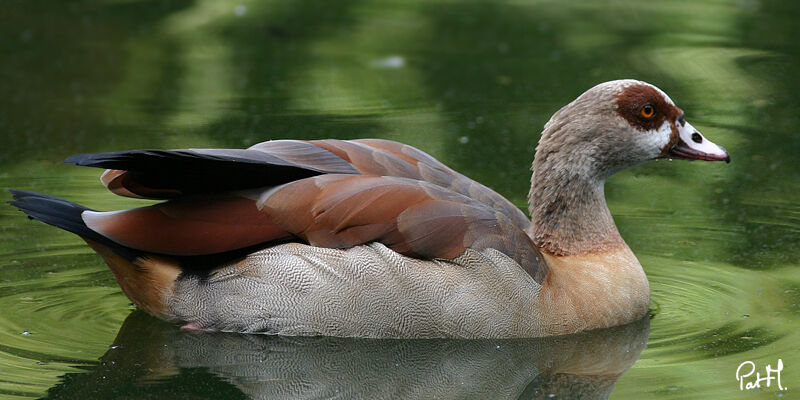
pixel 472 83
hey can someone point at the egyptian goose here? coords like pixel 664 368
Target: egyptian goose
pixel 373 238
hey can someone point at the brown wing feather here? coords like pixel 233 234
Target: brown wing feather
pixel 414 218
pixel 370 160
pixel 364 156
pixel 188 226
pixel 369 190
pixel 114 180
pixel 389 158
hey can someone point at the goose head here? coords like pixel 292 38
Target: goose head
pixel 610 127
pixel 619 124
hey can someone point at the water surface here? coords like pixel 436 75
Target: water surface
pixel 470 82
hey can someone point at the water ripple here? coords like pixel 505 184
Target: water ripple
pixel 707 310
pixel 66 310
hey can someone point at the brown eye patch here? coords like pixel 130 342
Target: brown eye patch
pixel 645 108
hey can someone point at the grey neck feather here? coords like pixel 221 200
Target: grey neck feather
pixel 567 201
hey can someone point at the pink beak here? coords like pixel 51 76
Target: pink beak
pixel 694 146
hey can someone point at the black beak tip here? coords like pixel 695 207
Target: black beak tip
pixel 727 156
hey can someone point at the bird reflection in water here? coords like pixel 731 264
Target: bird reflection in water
pixel 155 359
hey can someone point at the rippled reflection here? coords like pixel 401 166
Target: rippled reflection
pixel 149 356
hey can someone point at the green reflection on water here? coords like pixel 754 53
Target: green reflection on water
pixel 470 82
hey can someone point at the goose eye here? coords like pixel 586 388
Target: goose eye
pixel 647 111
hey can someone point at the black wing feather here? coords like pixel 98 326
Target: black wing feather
pixel 189 172
pixel 67 216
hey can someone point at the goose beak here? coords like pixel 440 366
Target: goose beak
pixel 692 145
